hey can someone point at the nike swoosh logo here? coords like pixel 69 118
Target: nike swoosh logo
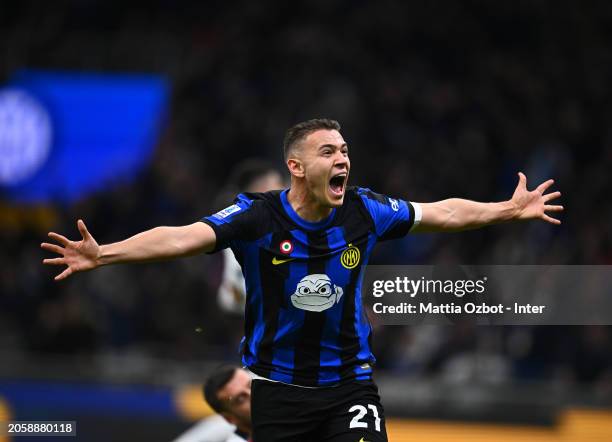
pixel 276 261
pixel 363 440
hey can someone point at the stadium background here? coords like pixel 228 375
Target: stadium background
pixel 436 99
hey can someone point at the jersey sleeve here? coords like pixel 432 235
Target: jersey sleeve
pixel 236 222
pixel 392 217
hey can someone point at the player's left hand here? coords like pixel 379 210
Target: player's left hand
pixel 534 204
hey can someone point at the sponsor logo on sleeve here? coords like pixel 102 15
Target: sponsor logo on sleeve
pixel 228 211
pixel 394 204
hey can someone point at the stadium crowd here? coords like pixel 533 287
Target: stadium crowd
pixel 436 99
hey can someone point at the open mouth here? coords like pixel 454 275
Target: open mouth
pixel 337 183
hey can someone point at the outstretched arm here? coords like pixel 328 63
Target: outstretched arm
pixel 456 214
pixel 156 244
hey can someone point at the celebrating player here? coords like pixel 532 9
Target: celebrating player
pixel 303 252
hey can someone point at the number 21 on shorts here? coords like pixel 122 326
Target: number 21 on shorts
pixel 357 421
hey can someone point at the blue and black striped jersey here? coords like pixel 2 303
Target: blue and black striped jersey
pixel 304 319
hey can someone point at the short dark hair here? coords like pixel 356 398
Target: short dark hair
pixel 297 133
pixel 215 382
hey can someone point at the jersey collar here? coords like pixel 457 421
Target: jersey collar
pixel 301 221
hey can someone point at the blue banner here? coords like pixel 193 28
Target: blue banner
pixel 64 135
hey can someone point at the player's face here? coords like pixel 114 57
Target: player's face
pixel 236 395
pixel 326 166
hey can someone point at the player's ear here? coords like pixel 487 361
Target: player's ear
pixel 296 167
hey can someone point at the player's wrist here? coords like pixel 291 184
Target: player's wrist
pixel 508 211
pixel 102 257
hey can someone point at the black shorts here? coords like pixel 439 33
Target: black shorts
pixel 345 413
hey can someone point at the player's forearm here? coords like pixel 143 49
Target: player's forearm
pixel 152 245
pixel 457 214
pixel 472 214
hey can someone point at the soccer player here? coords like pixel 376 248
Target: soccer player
pixel 303 251
pixel 228 391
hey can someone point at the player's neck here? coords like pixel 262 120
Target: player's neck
pixel 305 205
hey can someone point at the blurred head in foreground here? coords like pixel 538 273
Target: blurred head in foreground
pixel 228 392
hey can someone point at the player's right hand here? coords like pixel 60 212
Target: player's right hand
pixel 77 255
